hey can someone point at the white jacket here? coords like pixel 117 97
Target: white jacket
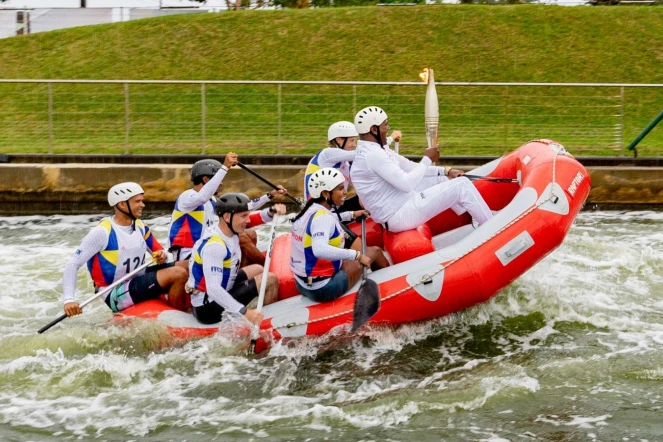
pixel 385 180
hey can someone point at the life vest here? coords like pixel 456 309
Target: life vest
pixel 123 253
pixel 187 227
pixel 302 260
pixel 229 265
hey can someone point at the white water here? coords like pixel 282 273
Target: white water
pixel 571 351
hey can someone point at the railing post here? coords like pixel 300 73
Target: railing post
pixel 126 118
pixel 621 120
pixel 50 118
pixel 506 119
pixel 354 100
pixel 278 150
pixel 203 115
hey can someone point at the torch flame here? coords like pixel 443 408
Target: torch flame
pixel 424 75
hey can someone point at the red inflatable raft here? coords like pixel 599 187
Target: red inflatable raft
pixel 442 267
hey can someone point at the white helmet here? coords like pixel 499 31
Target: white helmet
pixel 341 129
pixel 324 179
pixel 123 192
pixel 368 117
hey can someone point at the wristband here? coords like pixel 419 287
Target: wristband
pixel 243 310
pixel 223 166
pixel 271 211
pixel 269 195
pixel 446 170
pixel 358 257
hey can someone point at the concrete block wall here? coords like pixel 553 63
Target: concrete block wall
pixel 82 188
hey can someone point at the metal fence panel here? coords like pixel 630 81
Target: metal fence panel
pixel 60 116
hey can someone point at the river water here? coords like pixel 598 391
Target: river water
pixel 571 351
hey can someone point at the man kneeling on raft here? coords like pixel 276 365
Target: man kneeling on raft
pixel 115 248
pixel 402 194
pixel 216 283
pixel 324 270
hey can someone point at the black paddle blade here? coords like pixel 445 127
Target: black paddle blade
pixel 367 303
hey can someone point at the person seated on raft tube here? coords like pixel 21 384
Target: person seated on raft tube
pixel 194 210
pixel 323 268
pixel 216 283
pixel 402 194
pixel 339 155
pixel 117 246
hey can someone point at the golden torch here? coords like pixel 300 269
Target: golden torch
pixel 431 108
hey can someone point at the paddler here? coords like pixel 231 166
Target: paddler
pixel 323 268
pixel 194 210
pixel 216 283
pixel 339 154
pixel 117 246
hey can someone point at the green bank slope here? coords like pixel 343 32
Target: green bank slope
pixel 463 43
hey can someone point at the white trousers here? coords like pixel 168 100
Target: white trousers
pixel 458 194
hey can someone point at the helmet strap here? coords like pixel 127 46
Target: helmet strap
pixel 230 222
pixel 329 199
pixel 378 137
pixel 128 213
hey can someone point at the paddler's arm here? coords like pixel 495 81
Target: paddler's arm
pixel 331 156
pixel 384 166
pixel 352 214
pixel 257 203
pixel 153 244
pixel 320 232
pixel 395 136
pixel 190 199
pixel 94 242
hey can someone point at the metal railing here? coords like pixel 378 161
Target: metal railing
pixel 276 117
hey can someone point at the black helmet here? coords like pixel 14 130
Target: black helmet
pixel 232 203
pixel 204 168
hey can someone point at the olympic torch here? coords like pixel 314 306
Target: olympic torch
pixel 431 108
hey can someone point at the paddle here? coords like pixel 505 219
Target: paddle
pixel 299 202
pixel 97 295
pixel 490 178
pixel 263 281
pixel 367 302
pixel 349 234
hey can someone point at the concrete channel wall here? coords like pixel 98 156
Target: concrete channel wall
pixel 70 188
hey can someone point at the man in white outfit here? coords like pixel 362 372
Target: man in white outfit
pixel 402 194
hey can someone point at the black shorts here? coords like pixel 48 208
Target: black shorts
pixel 244 290
pixel 141 288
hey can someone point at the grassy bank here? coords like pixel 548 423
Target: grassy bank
pixel 463 43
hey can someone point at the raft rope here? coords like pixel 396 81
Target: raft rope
pixel 429 278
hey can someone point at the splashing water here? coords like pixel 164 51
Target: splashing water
pixel 570 351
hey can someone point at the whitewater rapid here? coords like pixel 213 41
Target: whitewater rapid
pixel 572 350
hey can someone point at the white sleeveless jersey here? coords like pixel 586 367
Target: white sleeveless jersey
pixel 303 262
pixel 228 260
pixel 124 252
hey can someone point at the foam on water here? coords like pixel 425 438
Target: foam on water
pixel 572 348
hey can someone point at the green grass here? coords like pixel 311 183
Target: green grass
pixel 524 43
